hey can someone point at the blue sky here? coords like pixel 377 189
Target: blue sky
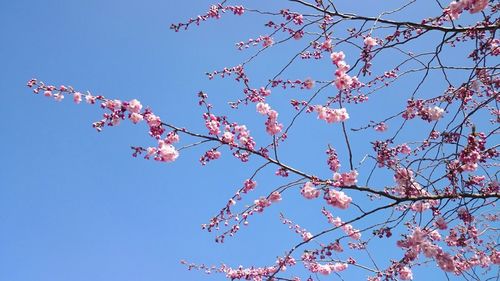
pixel 74 204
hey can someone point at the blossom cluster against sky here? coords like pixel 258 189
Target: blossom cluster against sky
pixel 74 204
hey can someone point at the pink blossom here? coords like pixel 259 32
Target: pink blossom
pixel 150 151
pixel 227 137
pixel 261 203
pixel 264 92
pixel 455 9
pixel 478 6
pixel 337 199
pixel 430 250
pixel 405 149
pixel 237 10
pixel 342 68
pixel 249 185
pixel 59 97
pixel 134 106
pixel 353 233
pixel 167 152
pixel 420 206
pixel 211 154
pixel 112 104
pixel 267 41
pixel 339 266
pixel 473 6
pixel 434 235
pixel 405 273
pixel 212 124
pixel 343 82
pixel 370 42
pixel 152 120
pixel 172 137
pixel 306 236
pixel 273 128
pixel 337 57
pixel 272 125
pixel 298 35
pixel 434 113
pixel 244 136
pixel 381 127
pixel 90 99
pixel 331 115
pixel 322 269
pixel 440 223
pixel 333 160
pixel 445 262
pixel 263 108
pixel 495 257
pixel 327 45
pixel 275 196
pixel 77 97
pixel 309 191
pixel 308 83
pixel 346 179
pixel 136 117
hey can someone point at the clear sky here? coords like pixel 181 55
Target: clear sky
pixel 74 204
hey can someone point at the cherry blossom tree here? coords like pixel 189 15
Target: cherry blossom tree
pixel 417 171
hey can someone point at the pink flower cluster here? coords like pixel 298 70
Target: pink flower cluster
pixel 432 113
pixel 337 199
pixel 241 273
pixel 343 81
pixel 416 108
pixel 165 152
pixel 233 135
pixel 475 152
pixel 248 186
pixel 423 241
pixel 315 267
pixel 297 18
pixel 252 273
pixel 135 107
pixel 120 110
pixel 406 183
pixel 347 228
pixel 256 95
pixel 309 191
pixel 405 273
pixel 211 154
pixel 370 42
pixel 473 6
pixel 212 123
pixel 243 136
pixel 407 186
pixel 267 41
pixel 263 202
pixel 381 127
pixel 333 160
pixel 272 125
pixel 331 115
pixel 345 179
pixel 387 156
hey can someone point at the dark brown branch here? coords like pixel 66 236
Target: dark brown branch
pixel 401 23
